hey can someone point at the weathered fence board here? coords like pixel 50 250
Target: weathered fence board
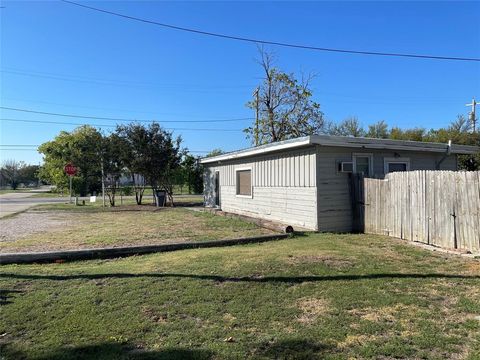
pixel 440 208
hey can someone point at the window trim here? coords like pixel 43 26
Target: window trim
pixel 370 162
pixel 251 182
pixel 394 160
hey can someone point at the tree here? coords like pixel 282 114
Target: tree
pixel 151 156
pixel 83 148
pixel 378 130
pixel 348 127
pixel 192 174
pixel 113 154
pixel 215 152
pixel 285 107
pixel 11 173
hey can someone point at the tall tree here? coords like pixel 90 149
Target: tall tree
pixel 285 106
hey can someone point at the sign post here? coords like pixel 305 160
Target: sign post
pixel 70 170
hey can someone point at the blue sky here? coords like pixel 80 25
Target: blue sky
pixel 57 57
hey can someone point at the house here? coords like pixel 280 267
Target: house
pixel 305 182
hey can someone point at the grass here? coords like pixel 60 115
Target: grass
pixel 319 296
pixel 91 226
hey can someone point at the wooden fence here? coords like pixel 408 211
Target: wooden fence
pixel 440 208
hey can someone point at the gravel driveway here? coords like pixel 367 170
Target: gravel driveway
pixel 31 222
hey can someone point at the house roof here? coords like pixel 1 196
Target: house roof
pixel 344 141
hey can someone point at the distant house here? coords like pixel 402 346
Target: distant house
pixel 304 182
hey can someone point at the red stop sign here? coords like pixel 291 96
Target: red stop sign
pixel 70 169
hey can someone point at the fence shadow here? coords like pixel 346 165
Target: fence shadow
pixel 112 350
pixel 253 279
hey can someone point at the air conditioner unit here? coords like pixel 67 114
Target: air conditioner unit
pixel 346 167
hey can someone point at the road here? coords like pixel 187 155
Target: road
pixel 15 202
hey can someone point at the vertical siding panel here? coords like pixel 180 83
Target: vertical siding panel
pixel 277 171
pixel 301 174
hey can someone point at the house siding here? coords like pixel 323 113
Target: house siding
pixel 334 204
pixel 283 187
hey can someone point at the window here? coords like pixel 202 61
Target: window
pixel 396 164
pixel 244 182
pixel 363 163
pixel 345 166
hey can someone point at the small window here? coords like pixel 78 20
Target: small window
pixel 396 164
pixel 397 167
pixel 345 166
pixel 244 182
pixel 363 164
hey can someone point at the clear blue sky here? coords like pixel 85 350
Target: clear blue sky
pixel 57 57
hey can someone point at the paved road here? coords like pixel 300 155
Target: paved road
pixel 16 202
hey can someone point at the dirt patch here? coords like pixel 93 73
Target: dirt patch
pixel 330 261
pixel 356 340
pixel 28 223
pixel 312 309
pixel 154 315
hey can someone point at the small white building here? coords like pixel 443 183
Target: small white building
pixel 304 182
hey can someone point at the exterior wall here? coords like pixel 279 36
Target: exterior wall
pixel 283 187
pixel 334 204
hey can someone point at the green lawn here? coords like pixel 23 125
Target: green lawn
pixel 92 226
pixel 318 296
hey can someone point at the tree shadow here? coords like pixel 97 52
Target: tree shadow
pixel 113 351
pixel 234 279
pixel 6 295
pixel 294 349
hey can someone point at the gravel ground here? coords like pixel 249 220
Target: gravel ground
pixel 28 223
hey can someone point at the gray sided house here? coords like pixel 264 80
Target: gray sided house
pixel 305 182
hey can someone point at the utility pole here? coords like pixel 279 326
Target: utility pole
pixel 473 118
pixel 103 185
pixel 256 94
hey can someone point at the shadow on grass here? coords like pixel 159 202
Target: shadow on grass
pixel 255 279
pixel 294 349
pixel 111 351
pixel 5 295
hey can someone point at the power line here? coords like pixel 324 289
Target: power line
pixel 123 83
pixel 120 119
pixel 101 108
pixel 266 42
pixel 1 145
pixel 112 126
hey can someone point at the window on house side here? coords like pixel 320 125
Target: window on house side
pixel 244 182
pixel 396 164
pixel 392 167
pixel 362 164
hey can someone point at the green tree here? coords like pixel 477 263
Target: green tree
pixel 113 155
pixel 192 174
pixel 285 106
pixel 348 127
pixel 83 148
pixel 215 152
pixel 151 156
pixel 378 130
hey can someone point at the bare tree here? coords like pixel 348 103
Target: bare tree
pixel 285 107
